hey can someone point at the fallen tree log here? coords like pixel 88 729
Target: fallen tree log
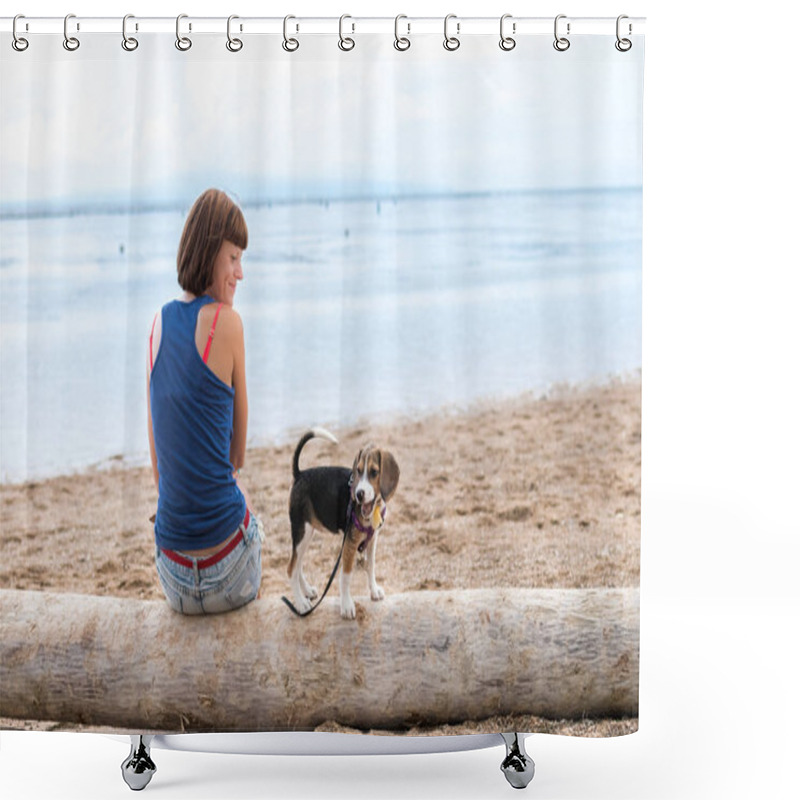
pixel 423 658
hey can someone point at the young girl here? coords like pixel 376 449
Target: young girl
pixel 208 548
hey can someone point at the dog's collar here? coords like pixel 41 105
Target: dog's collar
pixel 368 529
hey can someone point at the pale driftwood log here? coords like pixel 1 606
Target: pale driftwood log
pixel 422 658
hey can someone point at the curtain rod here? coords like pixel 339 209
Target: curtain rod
pixel 461 26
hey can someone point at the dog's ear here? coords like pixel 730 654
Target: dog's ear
pixel 361 453
pixel 390 474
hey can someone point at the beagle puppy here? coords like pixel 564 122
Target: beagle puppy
pixel 339 499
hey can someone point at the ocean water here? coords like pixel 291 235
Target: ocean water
pixel 352 311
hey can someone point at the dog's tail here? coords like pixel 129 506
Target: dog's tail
pixel 307 437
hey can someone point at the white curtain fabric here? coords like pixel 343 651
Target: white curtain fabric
pixel 431 233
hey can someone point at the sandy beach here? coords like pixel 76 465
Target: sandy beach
pixel 533 492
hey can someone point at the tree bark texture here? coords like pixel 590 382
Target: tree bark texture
pixel 423 658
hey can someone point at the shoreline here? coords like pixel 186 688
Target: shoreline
pixel 120 462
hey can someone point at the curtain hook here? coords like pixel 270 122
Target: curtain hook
pixel 451 42
pixel 506 42
pixel 289 45
pixel 128 42
pixel 623 45
pixel 561 43
pixel 401 43
pixel 234 45
pixel 345 43
pixel 18 43
pixel 70 42
pixel 183 43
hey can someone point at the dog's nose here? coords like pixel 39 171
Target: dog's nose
pixel 360 495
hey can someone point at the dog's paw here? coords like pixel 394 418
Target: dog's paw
pixel 348 609
pixel 376 593
pixel 312 593
pixel 302 604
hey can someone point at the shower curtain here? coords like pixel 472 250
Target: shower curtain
pixel 444 260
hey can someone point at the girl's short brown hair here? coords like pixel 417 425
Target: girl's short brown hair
pixel 213 218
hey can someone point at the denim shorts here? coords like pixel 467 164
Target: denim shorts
pixel 230 583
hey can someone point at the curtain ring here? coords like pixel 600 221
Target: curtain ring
pixel 451 42
pixel 183 43
pixel 18 43
pixel 347 43
pixel 289 45
pixel 506 42
pixel 561 43
pixel 234 45
pixel 128 42
pixel 70 42
pixel 623 45
pixel 401 43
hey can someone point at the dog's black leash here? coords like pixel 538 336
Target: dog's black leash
pixel 330 581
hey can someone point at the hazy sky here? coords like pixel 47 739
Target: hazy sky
pixel 158 126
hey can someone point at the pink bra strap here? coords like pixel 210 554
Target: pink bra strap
pixel 211 334
pixel 155 318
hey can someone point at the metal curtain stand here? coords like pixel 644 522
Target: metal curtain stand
pixel 518 767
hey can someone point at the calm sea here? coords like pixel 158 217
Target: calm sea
pixel 352 310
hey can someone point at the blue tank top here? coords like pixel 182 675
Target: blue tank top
pixel 199 503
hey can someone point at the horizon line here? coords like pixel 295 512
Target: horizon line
pixel 42 210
